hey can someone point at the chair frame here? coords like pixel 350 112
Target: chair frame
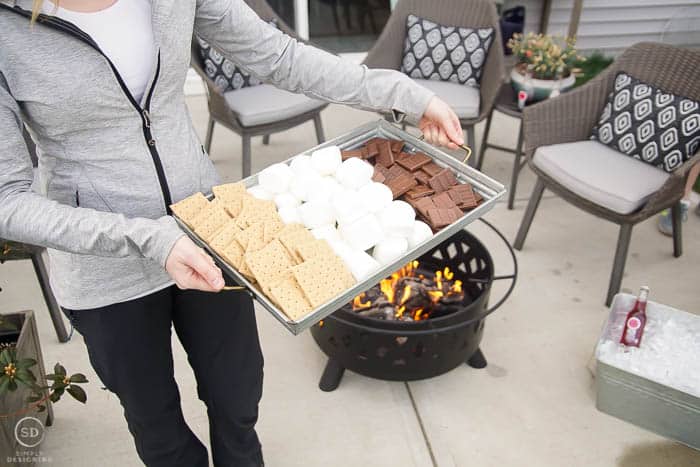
pixel 221 113
pixel 571 117
pixel 388 49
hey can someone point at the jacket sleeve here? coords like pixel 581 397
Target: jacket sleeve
pixel 29 217
pixel 272 56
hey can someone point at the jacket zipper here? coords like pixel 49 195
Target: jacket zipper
pixel 144 112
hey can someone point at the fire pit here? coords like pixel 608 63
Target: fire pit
pixel 423 321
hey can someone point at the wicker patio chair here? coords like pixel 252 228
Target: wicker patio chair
pixel 388 50
pixel 259 110
pixel 571 117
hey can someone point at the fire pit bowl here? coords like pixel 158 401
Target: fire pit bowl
pixel 404 351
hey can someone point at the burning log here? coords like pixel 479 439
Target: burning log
pixel 411 296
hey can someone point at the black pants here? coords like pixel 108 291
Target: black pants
pixel 129 345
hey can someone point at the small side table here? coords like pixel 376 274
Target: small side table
pixel 506 103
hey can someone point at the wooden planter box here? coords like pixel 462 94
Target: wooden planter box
pixel 27 339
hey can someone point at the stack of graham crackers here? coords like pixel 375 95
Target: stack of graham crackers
pixel 292 268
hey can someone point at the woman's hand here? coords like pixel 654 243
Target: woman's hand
pixel 191 268
pixel 440 125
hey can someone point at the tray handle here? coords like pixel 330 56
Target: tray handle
pixel 464 147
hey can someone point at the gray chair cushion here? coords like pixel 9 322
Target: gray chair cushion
pixel 263 104
pixel 600 174
pixel 465 100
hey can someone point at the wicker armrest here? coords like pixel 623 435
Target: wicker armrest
pixel 672 190
pixel 563 119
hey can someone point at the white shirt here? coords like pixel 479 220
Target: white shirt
pixel 124 32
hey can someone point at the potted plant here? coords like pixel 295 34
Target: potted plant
pixel 545 65
pixel 25 389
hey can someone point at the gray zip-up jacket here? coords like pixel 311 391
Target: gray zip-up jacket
pixel 109 166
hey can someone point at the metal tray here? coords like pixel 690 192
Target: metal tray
pixel 488 188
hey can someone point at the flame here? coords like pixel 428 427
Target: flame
pixel 399 293
pixel 358 304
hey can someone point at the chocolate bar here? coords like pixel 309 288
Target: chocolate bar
pixel 419 191
pixel 442 181
pixel 413 162
pixel 380 173
pixel 385 156
pixel 360 152
pixel 421 176
pixel 463 196
pixel 431 168
pixel 401 184
pixel 441 217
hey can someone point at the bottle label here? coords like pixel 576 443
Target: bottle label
pixel 633 325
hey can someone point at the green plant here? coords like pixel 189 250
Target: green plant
pixel 590 67
pixel 18 372
pixel 545 56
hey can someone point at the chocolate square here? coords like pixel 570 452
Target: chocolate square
pixel 432 168
pixel 372 149
pixel 421 176
pixel 419 191
pixel 463 196
pixel 360 152
pixel 422 205
pixel 385 157
pixel 444 201
pixel 441 217
pixel 442 181
pixel 380 173
pixel 401 184
pixel 396 171
pixel 397 146
pixel 413 162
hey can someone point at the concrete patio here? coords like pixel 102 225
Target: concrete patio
pixel 534 405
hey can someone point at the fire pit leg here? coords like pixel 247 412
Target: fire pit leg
pixel 477 360
pixel 332 375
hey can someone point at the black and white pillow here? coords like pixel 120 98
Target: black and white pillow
pixel 222 71
pixel 649 124
pixel 445 53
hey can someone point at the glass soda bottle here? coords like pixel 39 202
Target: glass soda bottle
pixel 636 320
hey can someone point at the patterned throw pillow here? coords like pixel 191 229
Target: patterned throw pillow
pixel 225 74
pixel 651 125
pixel 445 53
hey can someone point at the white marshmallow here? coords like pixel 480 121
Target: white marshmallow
pixel 375 196
pixel 397 219
pixel 341 248
pixel 276 178
pixel 326 232
pixel 301 165
pixel 286 199
pixel 361 264
pixel 354 173
pixel 326 160
pixel 362 234
pixel 390 249
pixel 259 192
pixel 300 184
pixel 314 214
pixel 322 190
pixel 421 232
pixel 347 207
pixel 289 215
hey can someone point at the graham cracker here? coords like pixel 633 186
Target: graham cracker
pixel 233 254
pixel 292 238
pixel 224 236
pixel 287 294
pixel 273 226
pixel 269 264
pixel 208 222
pixel 229 191
pixel 244 235
pixel 312 248
pixel 255 235
pixel 188 208
pixel 322 278
pixel 255 210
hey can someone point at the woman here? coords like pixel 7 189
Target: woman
pixel 99 85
